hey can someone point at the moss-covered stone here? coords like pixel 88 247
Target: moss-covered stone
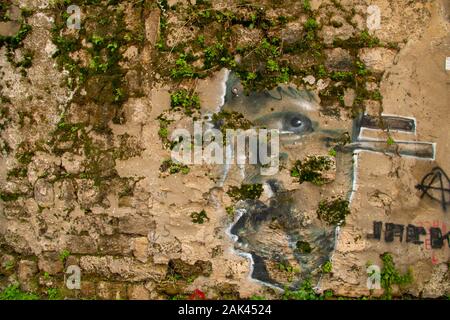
pixel 312 169
pixel 303 247
pixel 245 191
pixel 333 211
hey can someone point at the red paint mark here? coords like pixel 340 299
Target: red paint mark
pixel 428 243
pixel 197 295
pixel 434 260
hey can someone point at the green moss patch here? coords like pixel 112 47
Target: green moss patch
pixel 303 247
pixel 186 101
pixel 391 276
pixel 172 167
pixel 333 211
pixel 199 217
pixel 245 191
pixel 312 169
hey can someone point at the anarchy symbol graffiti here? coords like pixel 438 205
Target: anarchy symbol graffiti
pixel 436 185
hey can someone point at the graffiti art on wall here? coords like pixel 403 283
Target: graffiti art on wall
pixel 436 186
pixel 284 232
pixel 411 234
pixel 422 150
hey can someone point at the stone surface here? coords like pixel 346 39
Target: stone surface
pixel 111 291
pixel 377 59
pixel 98 193
pixel 80 244
pixel 136 225
pixel 9 28
pixel 7 264
pixel 26 271
pixel 140 248
pixel 349 97
pixel 72 163
pixel 50 263
pixel 121 268
pixel 339 59
pixel 152 27
pixel 138 292
pixel 43 193
pixel 309 79
pixel 88 289
pixel 330 33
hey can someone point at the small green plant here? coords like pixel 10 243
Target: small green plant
pixel 63 255
pixel 272 65
pixel 182 68
pixel 199 217
pixel 190 279
pixel 376 95
pixel 10 264
pixel 246 191
pixel 312 169
pixel 322 71
pixel 113 46
pixel 4 7
pixel 303 247
pixel 97 65
pixel 7 197
pixel 119 95
pixel 97 40
pixel 201 40
pixel 305 292
pixel 391 276
pixel 332 153
pixel 307 5
pixel 163 131
pixel 311 24
pixel 342 76
pixel 218 55
pixel 230 120
pixel 390 141
pixel 187 101
pixel 327 267
pixel 54 294
pixel 231 211
pixel 361 69
pixel 173 167
pixel 333 211
pixel 13 292
pixel 287 268
pixel 367 40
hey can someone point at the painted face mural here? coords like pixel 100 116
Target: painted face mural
pixel 282 232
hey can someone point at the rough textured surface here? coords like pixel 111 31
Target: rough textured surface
pixel 82 143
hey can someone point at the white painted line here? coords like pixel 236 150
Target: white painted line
pixel 447 64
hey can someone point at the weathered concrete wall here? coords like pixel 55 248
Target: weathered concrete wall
pixel 85 126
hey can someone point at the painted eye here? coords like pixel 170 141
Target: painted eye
pixel 296 122
pixel 286 122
